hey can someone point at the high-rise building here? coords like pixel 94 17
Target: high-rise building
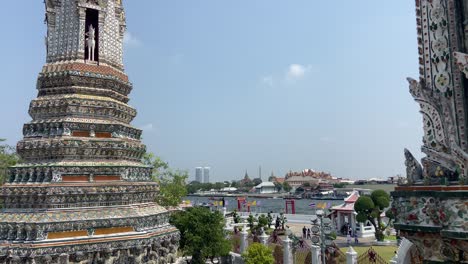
pixel 81 193
pixel 206 174
pixel 199 174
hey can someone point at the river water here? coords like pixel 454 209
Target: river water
pixel 265 205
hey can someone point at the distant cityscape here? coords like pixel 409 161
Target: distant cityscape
pixel 297 178
pixel 306 183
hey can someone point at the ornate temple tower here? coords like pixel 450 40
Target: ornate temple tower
pixel 432 206
pixel 81 192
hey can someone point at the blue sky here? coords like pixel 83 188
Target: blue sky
pixel 235 85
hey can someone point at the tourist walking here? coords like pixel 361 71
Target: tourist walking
pixel 308 233
pixel 304 232
pixel 348 238
pixel 355 238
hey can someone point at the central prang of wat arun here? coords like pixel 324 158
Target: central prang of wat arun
pixel 431 207
pixel 81 193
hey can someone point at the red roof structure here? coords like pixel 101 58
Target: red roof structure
pixel 349 203
pixel 352 198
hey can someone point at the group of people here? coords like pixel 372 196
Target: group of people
pixel 306 233
pixel 349 235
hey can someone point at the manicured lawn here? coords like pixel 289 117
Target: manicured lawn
pixel 386 252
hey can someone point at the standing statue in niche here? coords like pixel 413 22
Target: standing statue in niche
pixel 91 42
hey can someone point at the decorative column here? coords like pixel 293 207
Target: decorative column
pixel 352 219
pixel 263 237
pixel 227 229
pixel 351 256
pixel 224 211
pixel 334 222
pixel 339 220
pixel 287 251
pixel 243 244
pixel 315 254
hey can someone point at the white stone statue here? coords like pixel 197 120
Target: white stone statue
pixel 91 42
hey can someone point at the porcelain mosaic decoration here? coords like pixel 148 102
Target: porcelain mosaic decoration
pixel 431 205
pixel 82 194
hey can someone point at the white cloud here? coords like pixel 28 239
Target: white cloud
pixel 297 71
pixel 267 80
pixel 130 40
pixel 293 73
pixel 148 127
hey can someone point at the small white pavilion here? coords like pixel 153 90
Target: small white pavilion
pixel 344 218
pixel 266 187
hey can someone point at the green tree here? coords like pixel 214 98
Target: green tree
pixel 251 220
pixel 8 158
pixel 270 219
pixel 202 234
pixel 286 187
pixel 262 222
pixel 339 185
pixel 172 188
pixel 207 186
pixel 193 187
pixel 258 254
pixel 159 166
pixel 172 183
pixel 257 181
pixel 235 184
pixel 218 186
pixel 237 219
pixel 278 186
pixel 371 208
pixel 249 184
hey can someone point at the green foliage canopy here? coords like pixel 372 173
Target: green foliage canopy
pixel 202 234
pixel 256 181
pixel 196 186
pixel 251 220
pixel 8 158
pixel 262 221
pixel 278 186
pixel 381 199
pixel 172 186
pixel 371 208
pixel 339 185
pixel 258 254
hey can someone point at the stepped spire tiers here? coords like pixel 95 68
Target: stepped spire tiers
pixel 431 206
pixel 81 193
